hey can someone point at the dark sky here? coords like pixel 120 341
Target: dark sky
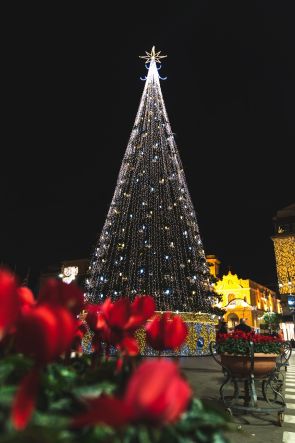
pixel 72 90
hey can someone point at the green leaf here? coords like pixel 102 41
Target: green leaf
pixel 6 395
pixel 13 368
pixel 63 404
pixel 102 434
pixel 94 390
pixel 50 420
pixel 143 435
pixel 5 369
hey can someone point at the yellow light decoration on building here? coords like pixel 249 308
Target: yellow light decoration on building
pixel 244 298
pixel 285 261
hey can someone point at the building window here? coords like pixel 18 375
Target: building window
pixel 231 297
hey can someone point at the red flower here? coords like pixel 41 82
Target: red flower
pixel 128 346
pixel 157 393
pixel 116 314
pixel 142 308
pixel 25 399
pixel 56 292
pixel 9 301
pixel 92 316
pixel 122 315
pixel 166 332
pixel 116 322
pixel 44 332
pixel 26 298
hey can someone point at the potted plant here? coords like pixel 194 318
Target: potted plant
pixel 237 348
pixel 51 391
pixel 271 322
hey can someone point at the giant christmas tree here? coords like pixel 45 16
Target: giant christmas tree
pixel 150 242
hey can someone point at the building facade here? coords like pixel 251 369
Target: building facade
pixel 244 298
pixel 68 271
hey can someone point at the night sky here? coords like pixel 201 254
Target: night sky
pixel 72 87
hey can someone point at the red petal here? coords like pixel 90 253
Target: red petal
pixel 26 296
pixel 108 410
pixel 73 297
pixel 66 326
pixel 154 334
pixel 45 332
pixel 117 314
pixel 25 399
pixel 57 292
pixel 129 346
pixel 176 333
pixel 9 302
pixel 166 332
pixel 142 309
pixel 119 365
pixel 37 334
pixel 92 315
pixel 49 291
pixel 176 400
pixel 156 392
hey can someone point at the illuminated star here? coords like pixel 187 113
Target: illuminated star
pixel 153 55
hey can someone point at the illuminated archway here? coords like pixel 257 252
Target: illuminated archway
pixel 232 320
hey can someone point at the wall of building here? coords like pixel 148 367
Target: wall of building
pixel 244 298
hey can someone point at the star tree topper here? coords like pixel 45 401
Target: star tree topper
pixel 153 55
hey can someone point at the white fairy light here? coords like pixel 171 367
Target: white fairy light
pixel 151 220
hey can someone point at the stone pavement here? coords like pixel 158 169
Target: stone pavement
pixel 205 376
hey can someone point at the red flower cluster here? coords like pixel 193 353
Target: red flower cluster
pixel 247 336
pixel 12 299
pixel 42 330
pixel 115 323
pixel 259 338
pixel 48 327
pixel 156 394
pixel 238 343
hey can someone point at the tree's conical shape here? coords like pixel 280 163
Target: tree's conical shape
pixel 150 242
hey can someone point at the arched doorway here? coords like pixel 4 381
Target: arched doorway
pixel 232 320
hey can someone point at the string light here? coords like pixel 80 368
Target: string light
pixel 284 247
pixel 200 328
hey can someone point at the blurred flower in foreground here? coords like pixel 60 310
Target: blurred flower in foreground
pixel 166 332
pixel 42 330
pixel 156 393
pixel 9 301
pixel 56 292
pixel 115 323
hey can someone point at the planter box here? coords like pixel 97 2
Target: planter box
pixel 240 365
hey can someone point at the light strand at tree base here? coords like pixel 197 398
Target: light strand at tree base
pixel 201 331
